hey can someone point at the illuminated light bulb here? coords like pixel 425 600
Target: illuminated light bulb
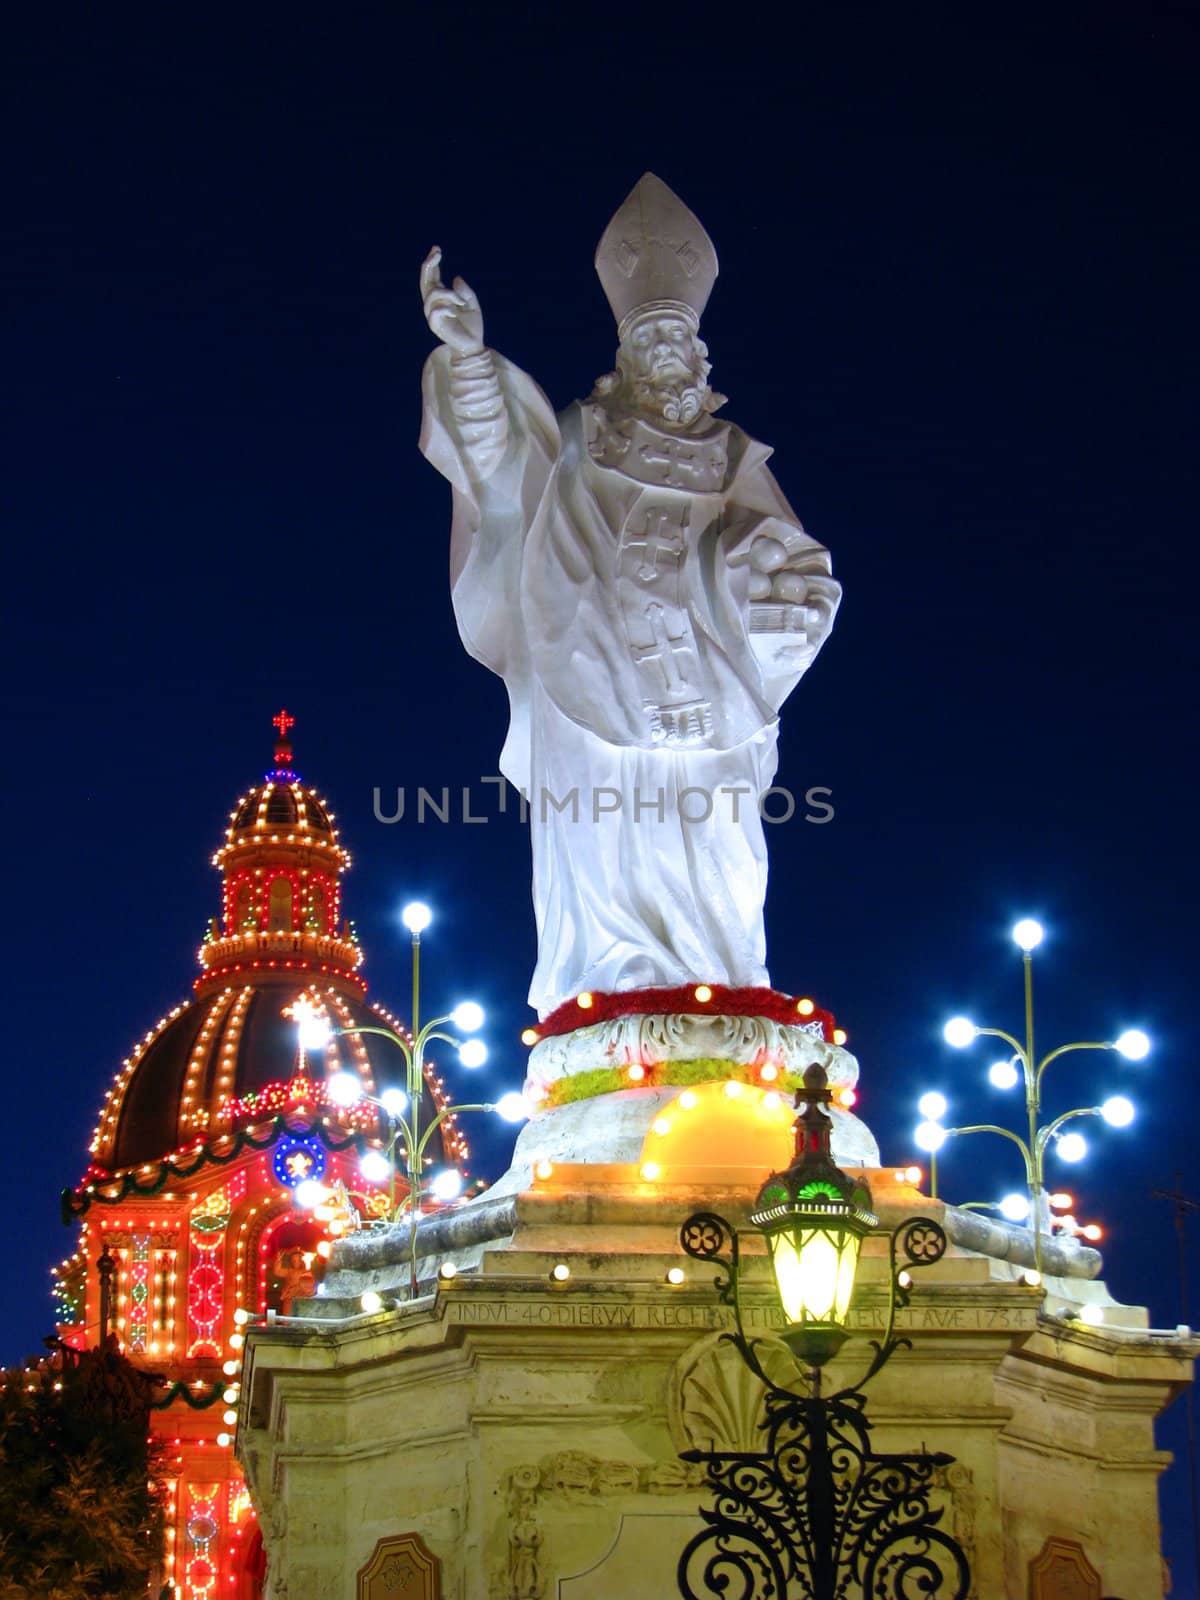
pixel 394 1102
pixel 224 1440
pixel 544 1169
pixel 315 1031
pixel 310 1194
pixel 636 1071
pixel 1003 1074
pixel 687 1099
pixel 1060 1200
pixel 468 1016
pixel 1117 1111
pixel 416 916
pixel 899 1177
pixel 661 1126
pixel 733 1088
pixel 929 1136
pixel 473 1053
pixel 344 1089
pixel 529 1036
pixel 241 1317
pixel 839 1036
pixel 1092 1231
pixel 448 1184
pixel 703 993
pixel 848 1097
pixel 560 1272
pixel 650 1170
pixel 370 1301
pixel 231 1368
pixel 1014 1207
pixel 675 1274
pixel 375 1166
pixel 960 1032
pixel 1072 1147
pixel 1028 933
pixel 1133 1044
pixel 771 1100
pixel 447 1270
pixel 912 1174
pixel 932 1106
pixel 230 1395
pixel 1093 1316
pixel 229 1416
pixel 236 1341
pixel 805 1007
pixel 584 1001
pixel 768 1072
pixel 904 1279
pixel 1032 1277
pixel 513 1106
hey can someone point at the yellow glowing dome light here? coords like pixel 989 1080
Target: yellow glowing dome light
pixel 585 1001
pixel 529 1036
pixel 703 993
pixel 805 1007
pixel 636 1071
pixel 733 1088
pixel 839 1036
pixel 768 1072
pixel 687 1099
pixel 661 1126
pixel 814 1218
pixel 544 1169
pixel 650 1170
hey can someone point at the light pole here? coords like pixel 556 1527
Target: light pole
pixel 961 1032
pixel 402 1107
pixel 817 1510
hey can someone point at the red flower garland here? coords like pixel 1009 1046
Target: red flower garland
pixel 724 1002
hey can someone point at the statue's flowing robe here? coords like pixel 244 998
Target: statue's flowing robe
pixel 601 568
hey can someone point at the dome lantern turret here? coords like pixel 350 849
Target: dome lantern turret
pixel 281 865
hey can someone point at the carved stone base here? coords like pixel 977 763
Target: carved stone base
pixel 530 1426
pixel 651 1040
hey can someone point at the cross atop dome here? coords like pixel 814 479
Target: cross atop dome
pixel 283 720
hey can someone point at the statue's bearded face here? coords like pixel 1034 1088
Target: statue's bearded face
pixel 662 369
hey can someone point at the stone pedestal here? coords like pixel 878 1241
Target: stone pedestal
pixel 528 1426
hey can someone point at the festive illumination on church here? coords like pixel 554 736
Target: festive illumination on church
pixel 223 1164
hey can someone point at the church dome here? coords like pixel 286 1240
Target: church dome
pixel 232 1054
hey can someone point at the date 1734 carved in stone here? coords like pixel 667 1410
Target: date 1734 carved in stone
pixel 633 572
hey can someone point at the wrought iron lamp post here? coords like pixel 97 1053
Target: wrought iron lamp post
pixel 817 1512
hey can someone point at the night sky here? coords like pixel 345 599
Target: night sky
pixel 957 295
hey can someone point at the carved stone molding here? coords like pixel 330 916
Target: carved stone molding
pixel 715 1402
pixel 577 1478
pixel 957 1482
pixel 400 1568
pixel 681 1036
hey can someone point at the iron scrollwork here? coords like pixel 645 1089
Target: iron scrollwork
pixel 817 1513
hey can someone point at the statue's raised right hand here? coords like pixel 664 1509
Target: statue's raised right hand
pixel 453 314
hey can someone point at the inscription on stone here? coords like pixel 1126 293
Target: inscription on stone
pixel 555 1312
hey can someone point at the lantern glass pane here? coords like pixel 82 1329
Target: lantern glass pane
pixel 847 1268
pixel 808 1277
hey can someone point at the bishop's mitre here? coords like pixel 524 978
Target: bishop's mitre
pixel 655 254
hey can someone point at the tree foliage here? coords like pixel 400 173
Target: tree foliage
pixel 80 1510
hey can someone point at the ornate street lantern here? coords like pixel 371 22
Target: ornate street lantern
pixel 841 1518
pixel 815 1219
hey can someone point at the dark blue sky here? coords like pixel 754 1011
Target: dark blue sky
pixel 957 295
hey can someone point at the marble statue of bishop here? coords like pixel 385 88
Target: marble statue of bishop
pixel 632 571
